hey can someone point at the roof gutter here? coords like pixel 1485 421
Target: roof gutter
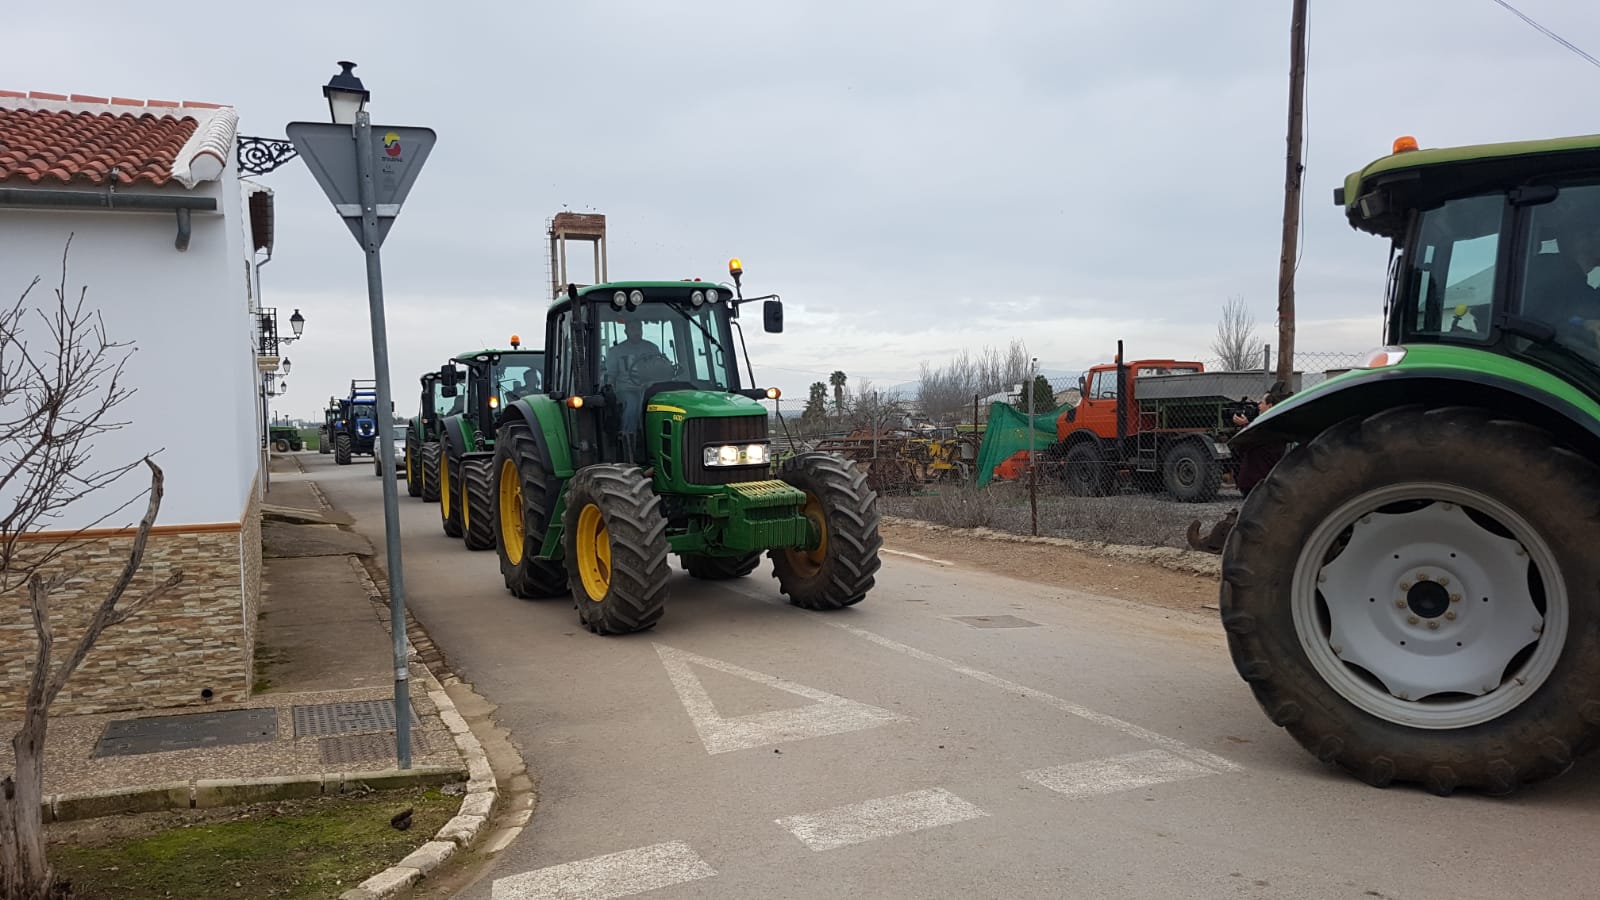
pixel 36 198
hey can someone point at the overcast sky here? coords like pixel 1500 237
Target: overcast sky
pixel 913 179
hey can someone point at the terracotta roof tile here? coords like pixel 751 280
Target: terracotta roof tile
pixel 48 146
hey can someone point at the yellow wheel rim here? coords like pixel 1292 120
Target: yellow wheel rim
pixel 444 488
pixel 511 511
pixel 809 562
pixel 411 466
pixel 594 553
pixel 466 507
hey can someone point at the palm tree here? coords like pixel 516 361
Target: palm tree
pixel 837 379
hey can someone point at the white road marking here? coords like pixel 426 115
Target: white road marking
pixel 603 877
pixel 830 714
pixel 880 818
pixel 1202 757
pixel 916 556
pixel 1117 773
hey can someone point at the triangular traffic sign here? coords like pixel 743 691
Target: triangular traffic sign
pixel 398 152
pixel 827 714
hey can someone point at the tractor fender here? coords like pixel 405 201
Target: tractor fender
pixel 1083 436
pixel 450 435
pixel 549 428
pixel 1303 417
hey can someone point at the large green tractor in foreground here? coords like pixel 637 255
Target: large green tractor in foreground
pixel 422 438
pixel 647 444
pixel 492 379
pixel 1414 592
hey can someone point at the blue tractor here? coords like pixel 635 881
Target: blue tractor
pixel 356 429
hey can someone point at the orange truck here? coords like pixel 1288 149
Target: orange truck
pixel 1161 424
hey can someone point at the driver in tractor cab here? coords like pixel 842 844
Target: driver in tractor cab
pixel 1558 290
pixel 622 361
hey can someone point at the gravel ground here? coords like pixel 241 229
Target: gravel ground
pixel 1139 519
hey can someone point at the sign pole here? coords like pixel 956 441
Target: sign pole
pixel 370 240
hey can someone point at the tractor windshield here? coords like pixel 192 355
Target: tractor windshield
pixel 664 342
pixel 519 375
pixel 1562 269
pixel 1447 278
pixel 447 406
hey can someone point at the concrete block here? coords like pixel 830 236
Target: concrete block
pixel 453 721
pixel 478 769
pixel 390 881
pixel 429 856
pixel 479 804
pixel 393 779
pixel 211 793
pixel 461 830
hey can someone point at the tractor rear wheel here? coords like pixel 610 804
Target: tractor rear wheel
pixel 477 502
pixel 1190 474
pixel 1412 595
pixel 615 539
pixel 1085 471
pixel 840 571
pixel 719 568
pixel 341 449
pixel 527 493
pixel 280 445
pixel 450 498
pixel 430 472
pixel 413 476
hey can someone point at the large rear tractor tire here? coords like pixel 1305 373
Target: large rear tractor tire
pixel 280 445
pixel 450 497
pixel 341 449
pixel 527 493
pixel 1085 471
pixel 1190 473
pixel 719 568
pixel 413 475
pixel 842 569
pixel 616 548
pixel 1413 596
pixel 430 472
pixel 478 514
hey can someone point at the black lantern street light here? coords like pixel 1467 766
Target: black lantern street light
pixel 347 97
pixel 297 323
pixel 285 365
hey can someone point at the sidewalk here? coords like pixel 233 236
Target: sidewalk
pixel 321 720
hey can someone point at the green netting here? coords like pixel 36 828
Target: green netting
pixel 1006 434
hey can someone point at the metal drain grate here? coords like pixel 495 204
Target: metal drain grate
pixel 326 719
pixel 995 622
pixel 366 748
pixel 157 734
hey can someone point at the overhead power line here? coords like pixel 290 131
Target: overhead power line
pixel 1548 33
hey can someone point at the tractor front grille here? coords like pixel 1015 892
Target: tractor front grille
pixel 697 433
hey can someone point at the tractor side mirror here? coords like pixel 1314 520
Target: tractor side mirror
pixel 772 316
pixel 447 380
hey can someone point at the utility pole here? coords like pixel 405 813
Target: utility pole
pixel 1033 464
pixel 1291 193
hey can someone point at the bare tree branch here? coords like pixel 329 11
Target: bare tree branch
pixel 1235 343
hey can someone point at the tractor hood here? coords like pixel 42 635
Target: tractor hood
pixel 704 404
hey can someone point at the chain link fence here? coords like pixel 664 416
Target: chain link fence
pixel 1129 458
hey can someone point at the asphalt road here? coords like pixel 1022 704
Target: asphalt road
pixel 956 734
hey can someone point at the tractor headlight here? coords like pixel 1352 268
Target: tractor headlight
pixel 711 295
pixel 494 402
pixel 697 299
pixel 735 455
pixel 619 299
pixel 636 298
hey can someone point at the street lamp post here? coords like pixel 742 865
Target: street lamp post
pixel 343 156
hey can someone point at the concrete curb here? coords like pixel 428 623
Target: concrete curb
pixel 477 806
pixel 1188 562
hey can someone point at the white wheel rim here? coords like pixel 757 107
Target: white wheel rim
pixel 1403 630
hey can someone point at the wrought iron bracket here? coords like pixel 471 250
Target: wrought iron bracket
pixel 259 155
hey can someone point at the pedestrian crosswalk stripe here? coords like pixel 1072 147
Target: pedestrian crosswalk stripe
pixel 884 817
pixel 1117 773
pixel 606 877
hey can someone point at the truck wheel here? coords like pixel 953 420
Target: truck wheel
pixel 430 472
pixel 616 546
pixel 1190 474
pixel 1086 472
pixel 527 494
pixel 449 495
pixel 413 477
pixel 719 568
pixel 1412 595
pixel 341 450
pixel 841 570
pixel 477 502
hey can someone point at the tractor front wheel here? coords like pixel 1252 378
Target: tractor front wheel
pixel 477 503
pixel 840 571
pixel 615 539
pixel 527 493
pixel 413 477
pixel 1085 471
pixel 719 568
pixel 430 472
pixel 1412 595
pixel 450 498
pixel 341 449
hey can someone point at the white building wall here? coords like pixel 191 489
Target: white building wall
pixel 186 313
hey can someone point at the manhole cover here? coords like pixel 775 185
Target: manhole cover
pixel 366 748
pixel 995 622
pixel 322 719
pixel 157 734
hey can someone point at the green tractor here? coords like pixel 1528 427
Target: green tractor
pixel 286 438
pixel 422 438
pixel 1414 591
pixel 330 416
pixel 646 444
pixel 493 379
